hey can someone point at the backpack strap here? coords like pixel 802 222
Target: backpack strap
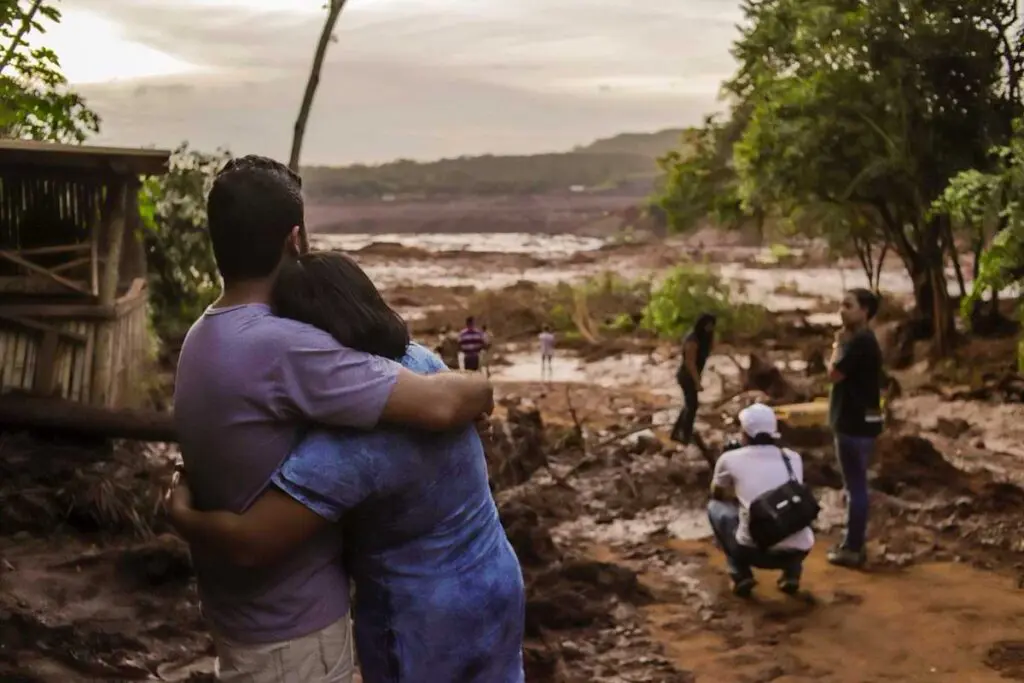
pixel 789 467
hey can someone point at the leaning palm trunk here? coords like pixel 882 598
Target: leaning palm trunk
pixel 326 35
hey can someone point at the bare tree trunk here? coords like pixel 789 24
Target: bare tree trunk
pixel 877 276
pixel 326 34
pixel 954 256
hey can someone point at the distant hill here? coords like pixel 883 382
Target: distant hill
pixel 624 163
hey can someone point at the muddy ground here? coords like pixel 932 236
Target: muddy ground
pixel 605 514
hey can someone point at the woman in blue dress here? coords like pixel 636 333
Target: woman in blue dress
pixel 439 591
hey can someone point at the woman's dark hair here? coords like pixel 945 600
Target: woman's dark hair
pixel 329 290
pixel 702 330
pixel 867 300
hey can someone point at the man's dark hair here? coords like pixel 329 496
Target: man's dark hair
pixel 469 321
pixel 254 204
pixel 330 291
pixel 867 300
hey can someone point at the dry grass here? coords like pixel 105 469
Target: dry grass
pixel 47 484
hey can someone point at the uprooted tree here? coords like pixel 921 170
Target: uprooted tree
pixel 869 109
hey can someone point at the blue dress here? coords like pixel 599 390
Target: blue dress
pixel 439 590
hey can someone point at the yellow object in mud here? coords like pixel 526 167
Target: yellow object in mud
pixel 813 414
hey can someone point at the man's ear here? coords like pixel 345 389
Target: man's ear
pixel 295 241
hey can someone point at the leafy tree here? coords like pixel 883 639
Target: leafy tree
pixel 699 180
pixel 183 277
pixel 689 291
pixel 35 101
pixel 874 106
pixel 849 230
pixel 991 206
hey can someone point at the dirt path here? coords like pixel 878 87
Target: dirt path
pixel 935 622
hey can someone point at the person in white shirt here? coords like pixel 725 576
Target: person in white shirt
pixel 741 476
pixel 547 352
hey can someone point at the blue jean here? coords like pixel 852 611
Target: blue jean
pixel 741 559
pixel 854 454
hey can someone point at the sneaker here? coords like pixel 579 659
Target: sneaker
pixel 789 586
pixel 844 557
pixel 743 588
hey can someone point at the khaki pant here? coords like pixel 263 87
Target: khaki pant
pixel 322 657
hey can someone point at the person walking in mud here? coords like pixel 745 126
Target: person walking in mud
pixel 696 349
pixel 448 348
pixel 855 415
pixel 547 353
pixel 472 343
pixel 741 476
pixel 248 385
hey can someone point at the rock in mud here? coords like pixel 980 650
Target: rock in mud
pixel 904 462
pixel 580 593
pixel 516 447
pixel 953 427
pixel 1007 657
pixel 528 536
pixel 761 375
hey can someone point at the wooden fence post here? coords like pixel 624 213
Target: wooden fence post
pixel 102 378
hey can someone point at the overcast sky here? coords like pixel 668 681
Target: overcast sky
pixel 418 79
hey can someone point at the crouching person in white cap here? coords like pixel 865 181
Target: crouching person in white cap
pixel 760 510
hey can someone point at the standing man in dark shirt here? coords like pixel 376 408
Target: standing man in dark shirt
pixel 696 349
pixel 855 415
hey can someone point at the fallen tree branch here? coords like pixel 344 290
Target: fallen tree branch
pixel 28 412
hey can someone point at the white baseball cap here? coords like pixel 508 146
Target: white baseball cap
pixel 759 419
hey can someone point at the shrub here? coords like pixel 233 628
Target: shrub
pixel 689 291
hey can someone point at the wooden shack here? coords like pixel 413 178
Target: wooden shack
pixel 73 313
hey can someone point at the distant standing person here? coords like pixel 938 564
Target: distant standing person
pixel 472 342
pixel 485 355
pixel 696 349
pixel 448 348
pixel 547 352
pixel 855 415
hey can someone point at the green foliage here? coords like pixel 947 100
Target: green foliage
pixel 619 162
pixel 689 291
pixel 183 277
pixel 872 107
pixel 699 181
pixel 994 199
pixel 35 102
pixel 606 298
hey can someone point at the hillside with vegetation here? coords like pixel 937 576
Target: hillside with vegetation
pixel 623 163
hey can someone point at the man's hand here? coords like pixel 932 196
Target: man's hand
pixel 178 501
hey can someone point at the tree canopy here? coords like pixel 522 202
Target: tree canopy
pixel 859 114
pixel 35 101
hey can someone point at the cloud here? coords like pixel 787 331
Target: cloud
pixel 420 79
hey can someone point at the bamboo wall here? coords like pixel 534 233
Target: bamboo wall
pixel 75 358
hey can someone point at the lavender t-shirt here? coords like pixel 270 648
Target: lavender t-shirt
pixel 247 386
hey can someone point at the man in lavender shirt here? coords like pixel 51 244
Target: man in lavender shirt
pixel 248 384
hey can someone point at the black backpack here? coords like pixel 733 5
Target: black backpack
pixel 778 514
